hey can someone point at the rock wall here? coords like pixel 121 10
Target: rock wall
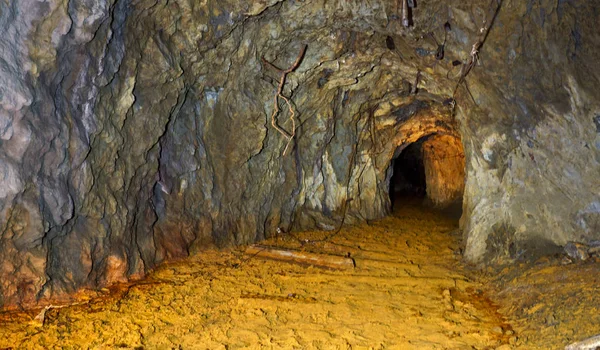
pixel 444 163
pixel 531 140
pixel 135 131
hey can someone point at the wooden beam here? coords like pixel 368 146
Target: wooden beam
pixel 299 257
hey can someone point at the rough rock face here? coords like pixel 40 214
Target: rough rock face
pixel 444 163
pixel 134 131
pixel 532 141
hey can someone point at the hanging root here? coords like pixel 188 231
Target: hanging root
pixel 282 75
pixel 474 55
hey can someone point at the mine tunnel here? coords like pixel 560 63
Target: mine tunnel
pixel 430 171
pixel 280 173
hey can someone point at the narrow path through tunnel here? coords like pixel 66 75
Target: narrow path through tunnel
pixel 407 290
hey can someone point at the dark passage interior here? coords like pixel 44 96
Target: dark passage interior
pixel 408 174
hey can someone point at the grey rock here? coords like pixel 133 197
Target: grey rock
pixel 577 251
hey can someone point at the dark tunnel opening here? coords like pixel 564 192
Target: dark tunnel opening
pixel 430 171
pixel 408 177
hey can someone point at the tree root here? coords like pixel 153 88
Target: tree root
pixel 282 75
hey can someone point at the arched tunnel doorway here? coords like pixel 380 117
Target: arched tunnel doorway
pixel 431 169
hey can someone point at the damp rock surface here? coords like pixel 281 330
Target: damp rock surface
pixel 134 132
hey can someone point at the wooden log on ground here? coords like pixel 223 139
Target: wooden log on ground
pixel 299 257
pixel 586 344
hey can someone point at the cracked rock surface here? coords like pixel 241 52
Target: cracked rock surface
pixel 132 132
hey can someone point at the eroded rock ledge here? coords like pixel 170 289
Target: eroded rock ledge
pixel 134 131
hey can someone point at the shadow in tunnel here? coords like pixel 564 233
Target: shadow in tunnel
pixel 408 182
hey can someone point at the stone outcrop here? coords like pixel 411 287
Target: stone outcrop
pixel 136 131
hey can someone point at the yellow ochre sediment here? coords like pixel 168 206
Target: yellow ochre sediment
pixel 408 290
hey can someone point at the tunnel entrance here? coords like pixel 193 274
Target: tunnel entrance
pixel 432 170
pixel 408 177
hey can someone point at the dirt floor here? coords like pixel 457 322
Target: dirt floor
pixel 409 290
pixel 551 302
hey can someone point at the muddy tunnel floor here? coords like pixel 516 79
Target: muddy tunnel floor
pixel 409 290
